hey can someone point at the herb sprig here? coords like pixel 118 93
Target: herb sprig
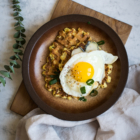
pixel 17 47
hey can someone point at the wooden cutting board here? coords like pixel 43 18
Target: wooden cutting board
pixel 22 103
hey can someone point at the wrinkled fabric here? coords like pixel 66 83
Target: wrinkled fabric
pixel 120 122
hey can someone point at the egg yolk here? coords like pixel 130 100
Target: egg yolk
pixel 82 71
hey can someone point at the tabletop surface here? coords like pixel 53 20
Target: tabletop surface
pixel 35 14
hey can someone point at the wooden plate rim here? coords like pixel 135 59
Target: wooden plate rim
pixel 123 59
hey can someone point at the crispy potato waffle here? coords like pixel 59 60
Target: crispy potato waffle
pixel 60 52
pixel 71 37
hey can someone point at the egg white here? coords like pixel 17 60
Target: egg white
pixel 97 59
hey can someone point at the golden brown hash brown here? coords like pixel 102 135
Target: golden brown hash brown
pixel 60 52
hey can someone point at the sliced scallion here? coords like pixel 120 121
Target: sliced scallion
pixel 88 22
pixel 56 72
pixel 82 99
pixel 90 82
pixel 54 76
pixel 101 42
pixel 53 81
pixel 93 93
pixel 83 90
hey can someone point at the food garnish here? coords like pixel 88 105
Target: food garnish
pixel 90 82
pixel 88 22
pixel 81 70
pixel 83 90
pixel 53 81
pixel 82 99
pixel 93 93
pixel 55 77
pixel 101 42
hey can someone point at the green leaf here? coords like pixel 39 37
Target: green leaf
pixel 19 28
pixel 23 35
pixel 17 50
pixel 20 39
pixel 16 2
pixel 23 30
pixel 23 42
pixel 17 34
pixel 16 14
pixel 16 6
pixel 19 44
pixel 9 68
pixel 17 9
pixel 21 53
pixel 2 80
pixel 17 66
pixel 5 73
pixel 16 24
pixel 15 46
pixel 13 57
pixel 19 18
pixel 10 76
pixel 12 69
pixel 18 57
pixel 13 62
pixel 20 23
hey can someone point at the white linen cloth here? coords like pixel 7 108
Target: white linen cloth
pixel 120 122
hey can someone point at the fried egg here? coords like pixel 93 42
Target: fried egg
pixel 82 67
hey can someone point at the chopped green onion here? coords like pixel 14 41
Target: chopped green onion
pixel 54 76
pixel 56 72
pixel 82 99
pixel 90 82
pixel 101 42
pixel 93 93
pixel 53 81
pixel 88 22
pixel 83 90
pixel 82 49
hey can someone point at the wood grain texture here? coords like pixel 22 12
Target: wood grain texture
pixel 66 7
pixel 22 103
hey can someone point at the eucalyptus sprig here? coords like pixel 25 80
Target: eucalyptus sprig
pixel 17 47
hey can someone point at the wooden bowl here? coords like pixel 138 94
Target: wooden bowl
pixel 35 56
